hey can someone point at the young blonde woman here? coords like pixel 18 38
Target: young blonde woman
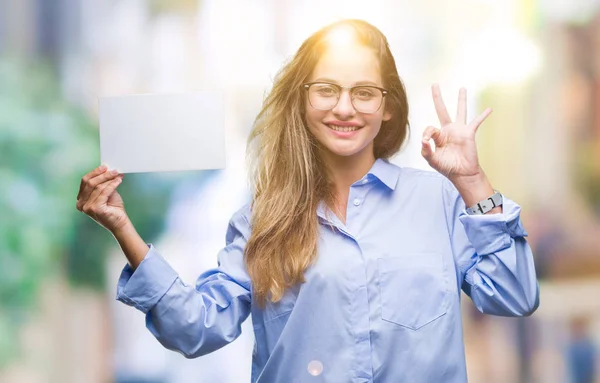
pixel 350 266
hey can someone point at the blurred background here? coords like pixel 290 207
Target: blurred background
pixel 536 62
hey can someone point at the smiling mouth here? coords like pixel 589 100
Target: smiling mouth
pixel 343 128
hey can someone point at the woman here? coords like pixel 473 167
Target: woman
pixel 350 266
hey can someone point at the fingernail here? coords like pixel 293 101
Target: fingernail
pixel 103 167
pixel 114 172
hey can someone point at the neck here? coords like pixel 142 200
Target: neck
pixel 346 170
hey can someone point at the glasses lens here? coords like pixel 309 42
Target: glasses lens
pixel 367 99
pixel 323 96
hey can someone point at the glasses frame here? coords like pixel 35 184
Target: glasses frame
pixel 384 92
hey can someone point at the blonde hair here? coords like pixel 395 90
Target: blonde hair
pixel 288 176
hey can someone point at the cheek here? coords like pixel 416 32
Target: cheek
pixel 375 122
pixel 314 117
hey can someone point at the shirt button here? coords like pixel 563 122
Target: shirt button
pixel 356 202
pixel 364 181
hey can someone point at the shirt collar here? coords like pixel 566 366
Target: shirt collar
pixel 385 172
pixel 382 170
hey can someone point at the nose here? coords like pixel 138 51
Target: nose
pixel 344 108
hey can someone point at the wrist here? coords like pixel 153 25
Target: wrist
pixel 473 189
pixel 133 246
pixel 473 180
pixel 123 230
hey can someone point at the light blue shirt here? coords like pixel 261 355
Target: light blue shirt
pixel 382 301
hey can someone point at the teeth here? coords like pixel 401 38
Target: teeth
pixel 343 128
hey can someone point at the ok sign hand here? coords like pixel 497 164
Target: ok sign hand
pixel 455 154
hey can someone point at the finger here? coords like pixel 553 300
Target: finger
pixel 440 107
pixel 100 195
pixel 106 188
pixel 432 132
pixel 426 149
pixel 479 120
pixel 86 204
pixel 109 189
pixel 92 183
pixel 99 170
pixel 461 113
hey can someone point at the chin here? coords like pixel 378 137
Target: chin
pixel 345 150
pixel 344 147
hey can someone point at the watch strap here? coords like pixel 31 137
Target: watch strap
pixel 486 205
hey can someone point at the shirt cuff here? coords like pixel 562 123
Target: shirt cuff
pixel 145 286
pixel 490 233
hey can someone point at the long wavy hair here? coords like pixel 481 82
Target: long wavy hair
pixel 288 176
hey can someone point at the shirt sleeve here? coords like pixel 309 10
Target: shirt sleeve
pixel 494 260
pixel 193 320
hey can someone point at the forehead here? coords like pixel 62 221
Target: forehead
pixel 348 65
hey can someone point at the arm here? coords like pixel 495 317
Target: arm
pixel 132 245
pixel 493 258
pixel 494 262
pixel 193 320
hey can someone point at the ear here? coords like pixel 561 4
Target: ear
pixel 387 114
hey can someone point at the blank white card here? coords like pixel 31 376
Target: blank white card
pixel 157 133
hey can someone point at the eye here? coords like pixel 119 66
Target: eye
pixel 325 90
pixel 364 93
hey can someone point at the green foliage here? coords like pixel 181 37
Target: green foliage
pixel 46 146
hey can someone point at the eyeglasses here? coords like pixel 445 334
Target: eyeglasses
pixel 325 96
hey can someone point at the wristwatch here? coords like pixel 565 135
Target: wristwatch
pixel 486 205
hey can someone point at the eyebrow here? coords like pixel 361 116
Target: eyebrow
pixel 359 83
